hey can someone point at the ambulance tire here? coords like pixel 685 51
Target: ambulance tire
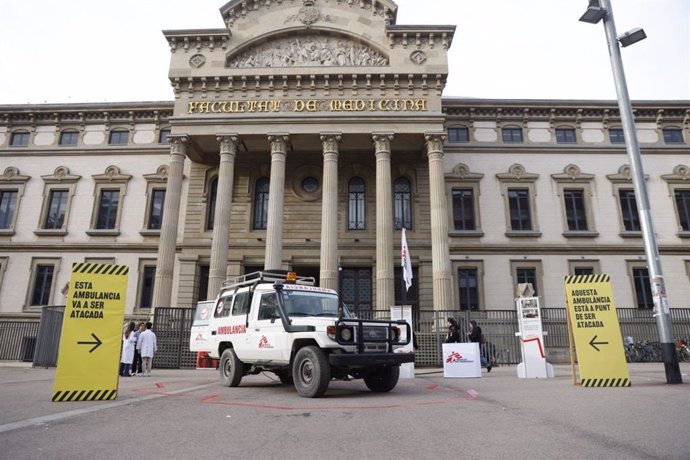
pixel 231 368
pixel 311 372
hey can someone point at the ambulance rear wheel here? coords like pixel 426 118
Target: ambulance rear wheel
pixel 231 368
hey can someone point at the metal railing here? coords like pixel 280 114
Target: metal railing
pixel 18 340
pixel 24 341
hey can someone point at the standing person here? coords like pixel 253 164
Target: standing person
pixel 476 336
pixel 128 345
pixel 136 363
pixel 453 331
pixel 147 348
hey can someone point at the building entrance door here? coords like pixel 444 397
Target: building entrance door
pixel 356 288
pixel 308 270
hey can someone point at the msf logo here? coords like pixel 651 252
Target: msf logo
pixel 263 343
pixel 454 357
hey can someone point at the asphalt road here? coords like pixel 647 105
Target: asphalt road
pixel 187 414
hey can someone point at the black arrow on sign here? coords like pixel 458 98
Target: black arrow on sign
pixel 594 344
pixel 95 344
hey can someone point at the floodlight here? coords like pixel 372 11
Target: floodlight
pixel 593 15
pixel 632 36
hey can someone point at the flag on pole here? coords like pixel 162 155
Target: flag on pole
pixel 405 263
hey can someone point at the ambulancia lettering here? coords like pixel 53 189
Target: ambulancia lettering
pixel 237 329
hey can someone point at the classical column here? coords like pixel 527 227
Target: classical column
pixel 165 265
pixel 440 258
pixel 221 222
pixel 276 190
pixel 329 212
pixel 384 223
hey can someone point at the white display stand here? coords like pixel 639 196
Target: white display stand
pixel 404 312
pixel 531 335
pixel 461 360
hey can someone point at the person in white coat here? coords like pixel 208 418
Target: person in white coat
pixel 128 343
pixel 147 348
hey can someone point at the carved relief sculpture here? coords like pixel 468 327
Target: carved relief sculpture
pixel 309 50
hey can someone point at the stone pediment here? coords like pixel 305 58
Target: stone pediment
pixel 309 11
pixel 310 49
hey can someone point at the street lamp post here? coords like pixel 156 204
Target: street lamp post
pixel 598 10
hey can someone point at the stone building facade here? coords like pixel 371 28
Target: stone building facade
pixel 305 135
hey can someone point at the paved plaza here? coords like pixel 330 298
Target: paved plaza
pixel 187 414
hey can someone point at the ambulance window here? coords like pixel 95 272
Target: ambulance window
pixel 267 307
pixel 241 306
pixel 223 307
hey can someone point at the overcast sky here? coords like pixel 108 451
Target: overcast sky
pixel 97 50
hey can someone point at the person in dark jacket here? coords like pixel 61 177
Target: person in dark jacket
pixel 453 331
pixel 475 335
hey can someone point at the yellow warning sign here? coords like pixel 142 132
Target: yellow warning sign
pixel 91 339
pixel 597 335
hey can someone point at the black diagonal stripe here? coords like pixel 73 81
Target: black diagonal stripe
pixel 80 396
pixel 585 383
pixel 64 395
pixel 71 396
pixel 87 397
pixel 56 396
pixel 112 395
pixel 104 393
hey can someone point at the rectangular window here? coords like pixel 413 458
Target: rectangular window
pixel 512 134
pixel 583 271
pixel 527 275
pixel 616 136
pixel 107 209
pixel 643 290
pixel 673 136
pixel 456 135
pixel 43 284
pixel 682 206
pixel 575 213
pixel 148 278
pixel 8 202
pixel 57 207
pixel 204 271
pixel 69 138
pixel 156 209
pixel 565 136
pixel 631 219
pixel 468 285
pixel 518 203
pixel 463 209
pixel 163 136
pixel 118 137
pixel 19 140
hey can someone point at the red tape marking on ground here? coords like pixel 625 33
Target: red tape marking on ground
pixel 214 399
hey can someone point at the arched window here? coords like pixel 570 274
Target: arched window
pixel 211 210
pixel 402 212
pixel 356 198
pixel 261 203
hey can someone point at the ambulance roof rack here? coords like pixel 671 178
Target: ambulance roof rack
pixel 267 276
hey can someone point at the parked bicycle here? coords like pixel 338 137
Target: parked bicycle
pixel 641 352
pixel 682 350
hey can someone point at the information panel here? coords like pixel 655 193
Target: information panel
pixel 597 334
pixel 91 339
